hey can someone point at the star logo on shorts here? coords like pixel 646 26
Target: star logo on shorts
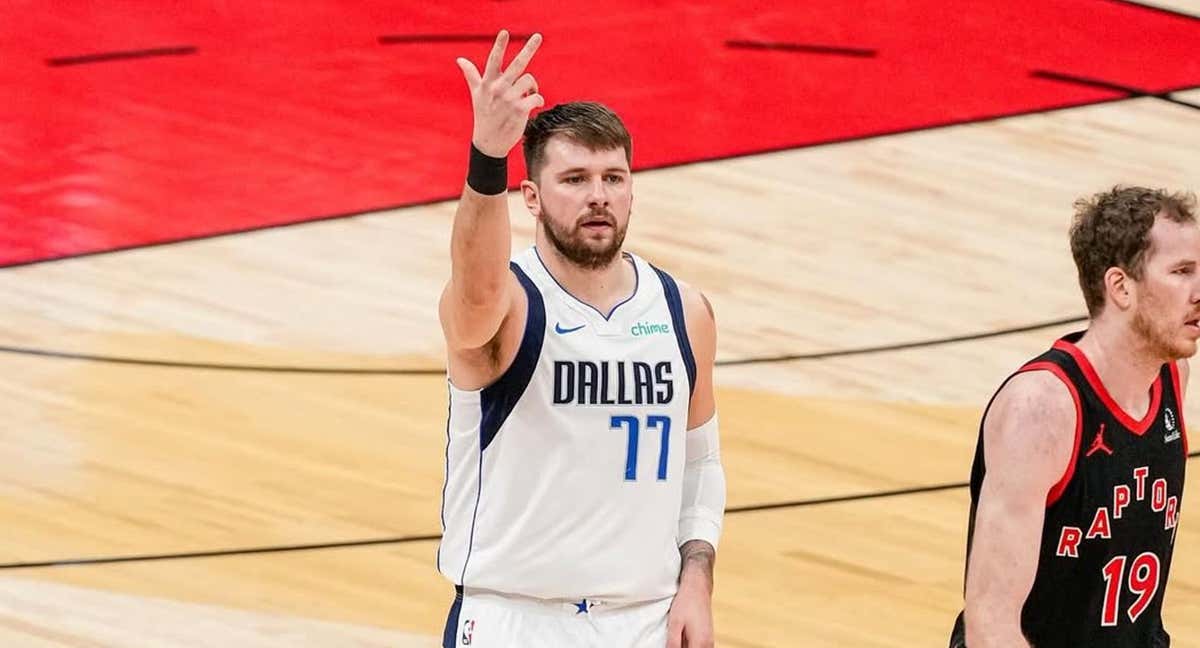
pixel 583 606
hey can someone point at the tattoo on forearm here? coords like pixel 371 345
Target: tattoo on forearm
pixel 698 554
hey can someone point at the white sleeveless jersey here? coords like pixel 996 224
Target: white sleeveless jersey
pixel 564 477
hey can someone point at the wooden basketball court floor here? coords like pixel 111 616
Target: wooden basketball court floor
pixel 915 237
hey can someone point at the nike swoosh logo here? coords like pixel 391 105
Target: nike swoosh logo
pixel 560 330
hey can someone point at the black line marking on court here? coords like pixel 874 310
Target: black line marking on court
pixel 845 498
pixel 103 57
pixel 1177 101
pixel 351 371
pixel 1165 10
pixel 409 39
pixel 822 355
pixel 1131 92
pixel 805 48
pixel 914 490
pixel 108 560
pixel 212 366
pixel 751 508
pixel 666 165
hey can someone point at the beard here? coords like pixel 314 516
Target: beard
pixel 573 243
pixel 1162 340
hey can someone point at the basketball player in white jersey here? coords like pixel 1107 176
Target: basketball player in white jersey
pixel 584 492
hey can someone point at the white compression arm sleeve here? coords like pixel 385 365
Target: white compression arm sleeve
pixel 703 507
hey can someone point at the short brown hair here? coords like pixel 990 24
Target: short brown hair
pixel 1112 229
pixel 588 123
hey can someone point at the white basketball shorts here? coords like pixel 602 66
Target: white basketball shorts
pixel 484 619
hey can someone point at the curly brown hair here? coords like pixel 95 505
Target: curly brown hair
pixel 588 123
pixel 1112 229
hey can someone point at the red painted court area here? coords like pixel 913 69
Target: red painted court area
pixel 286 112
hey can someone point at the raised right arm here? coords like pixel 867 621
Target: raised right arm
pixel 481 290
pixel 1029 439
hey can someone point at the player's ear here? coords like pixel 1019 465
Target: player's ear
pixel 1119 287
pixel 533 200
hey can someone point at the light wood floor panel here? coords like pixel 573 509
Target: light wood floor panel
pixel 165 461
pixel 882 573
pixel 180 460
pixel 951 231
pixel 151 461
pixel 864 243
pixel 899 558
pixel 1192 96
pixel 1191 7
pixel 37 614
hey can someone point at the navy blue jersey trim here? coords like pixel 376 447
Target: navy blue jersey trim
pixel 636 281
pixel 675 305
pixel 450 634
pixel 499 398
pixel 462 578
pixel 446 481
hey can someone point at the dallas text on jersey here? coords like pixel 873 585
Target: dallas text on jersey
pixel 612 383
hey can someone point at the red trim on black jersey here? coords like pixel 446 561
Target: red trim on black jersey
pixel 1061 486
pixel 1179 402
pixel 1137 427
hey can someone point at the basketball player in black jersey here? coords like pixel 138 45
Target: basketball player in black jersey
pixel 1077 484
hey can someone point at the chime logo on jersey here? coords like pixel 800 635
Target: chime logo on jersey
pixel 1172 427
pixel 582 382
pixel 649 328
pixel 1124 496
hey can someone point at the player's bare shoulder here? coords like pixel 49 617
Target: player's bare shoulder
pixel 698 314
pixel 1033 421
pixel 475 367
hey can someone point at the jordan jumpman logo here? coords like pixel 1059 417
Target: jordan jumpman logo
pixel 1098 444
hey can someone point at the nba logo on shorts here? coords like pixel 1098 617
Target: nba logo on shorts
pixel 468 630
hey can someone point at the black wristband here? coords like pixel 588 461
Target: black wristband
pixel 486 174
